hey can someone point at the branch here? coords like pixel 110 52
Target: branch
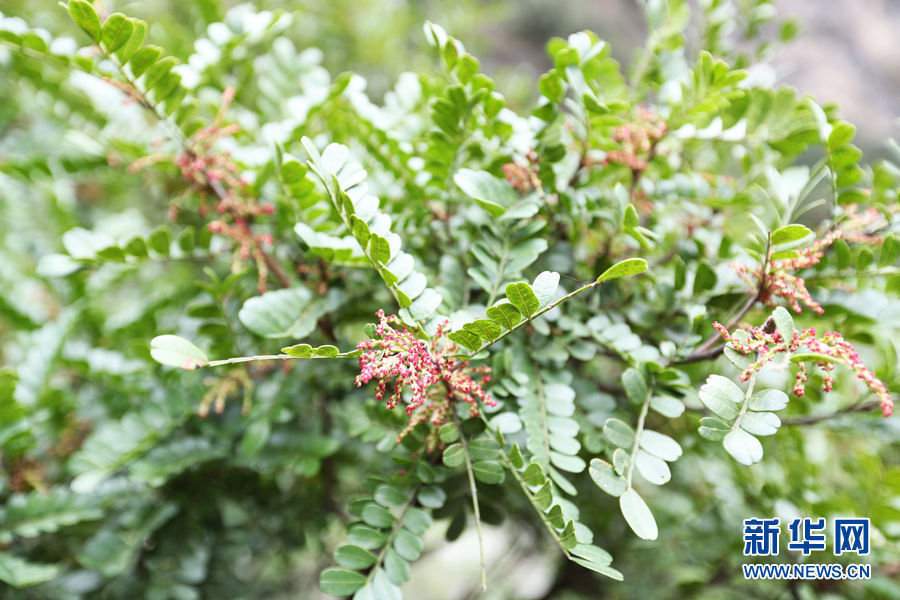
pixel 473 489
pixel 812 419
pixel 705 351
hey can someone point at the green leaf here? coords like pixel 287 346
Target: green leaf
pixel 631 218
pixel 116 31
pixel 840 135
pixel 326 351
pixel 721 396
pixel 572 464
pixel 408 545
pixel 544 287
pixel 134 41
pixel 630 266
pixel 20 573
pixel 299 350
pixel 603 570
pixel 760 423
pixel 488 471
pixel 713 429
pixel 505 314
pixel 606 479
pixel 667 406
pixel 291 312
pixel 466 338
pixel 534 475
pixel 635 385
pixel 790 233
pixel 550 85
pixel 417 520
pixel 652 468
pixel 432 496
pixel 353 557
pixel 784 323
pixel 448 433
pixel 255 438
pixel 85 17
pixel 864 259
pixel 160 240
pixel 376 516
pixel 768 400
pixel 890 251
pixel 454 455
pixel 492 194
pixel 523 298
pixel 637 514
pixel 158 70
pixel 485 329
pixel 379 249
pixel 515 457
pixel 567 536
pixel 745 448
pixel 544 496
pixel 619 433
pixel 143 59
pixel 340 582
pixel 365 536
pixel 388 495
pixel 396 572
pixel 660 445
pixel 466 68
pixel 705 278
pixel 842 253
pixel 175 351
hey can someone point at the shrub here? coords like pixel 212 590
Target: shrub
pixel 578 317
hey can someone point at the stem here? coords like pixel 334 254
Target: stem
pixel 527 320
pixel 388 543
pixel 812 419
pixel 499 278
pixel 530 497
pixel 177 134
pixel 637 434
pixel 749 392
pixel 705 350
pixel 473 489
pixel 243 359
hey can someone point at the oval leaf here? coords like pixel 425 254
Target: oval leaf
pixel 638 516
pixel 745 448
pixel 630 266
pixel 175 351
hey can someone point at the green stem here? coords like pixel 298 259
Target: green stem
pixel 243 359
pixel 395 529
pixel 527 320
pixel 740 417
pixel 645 407
pixel 473 489
pixel 534 504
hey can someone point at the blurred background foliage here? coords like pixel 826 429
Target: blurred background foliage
pixel 167 505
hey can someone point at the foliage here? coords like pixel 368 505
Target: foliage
pixel 581 287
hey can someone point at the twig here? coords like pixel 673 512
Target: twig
pixel 473 489
pixel 705 351
pixel 812 419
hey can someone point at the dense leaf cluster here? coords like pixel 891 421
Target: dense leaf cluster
pixel 202 205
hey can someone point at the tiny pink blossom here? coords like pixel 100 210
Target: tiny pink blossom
pixel 767 346
pixel 397 355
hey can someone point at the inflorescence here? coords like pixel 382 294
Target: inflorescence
pixel 418 365
pixel 831 348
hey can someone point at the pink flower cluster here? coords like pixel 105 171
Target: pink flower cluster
pixel 397 354
pixel 638 138
pixel 779 282
pixel 831 346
